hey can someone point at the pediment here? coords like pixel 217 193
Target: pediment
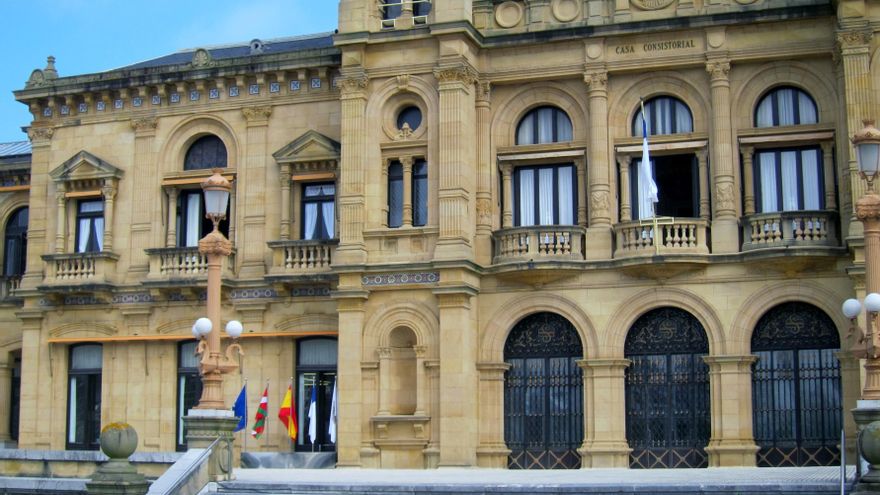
pixel 85 166
pixel 311 147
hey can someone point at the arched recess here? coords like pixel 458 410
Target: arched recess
pixel 414 315
pixel 634 307
pixel 185 133
pixel 502 320
pixel 761 301
pixel 768 76
pixel 623 108
pixel 516 105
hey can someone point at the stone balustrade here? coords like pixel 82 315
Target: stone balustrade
pixel 8 286
pixel 182 262
pixel 73 268
pixel 676 236
pixel 790 228
pixel 302 256
pixel 539 243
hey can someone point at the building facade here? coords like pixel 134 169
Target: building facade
pixel 440 209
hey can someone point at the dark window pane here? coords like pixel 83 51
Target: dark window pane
pixel 395 194
pixel 206 153
pixel 410 115
pixel 420 193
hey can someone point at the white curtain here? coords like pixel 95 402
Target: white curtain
pixel 810 167
pixel 785 101
pixel 71 411
pixel 546 195
pixel 563 127
pixel 193 220
pixel 767 170
pixel 637 125
pixel 662 109
pixel 683 120
pixel 526 132
pixel 99 232
pixel 807 109
pixel 566 200
pixel 765 113
pixel 311 219
pixel 526 197
pixel 84 232
pixel 646 205
pixel 328 212
pixel 789 181
pixel 545 125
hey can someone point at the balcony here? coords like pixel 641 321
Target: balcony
pixel 305 259
pixel 786 229
pixel 181 267
pixel 75 272
pixel 8 286
pixel 539 243
pixel 676 236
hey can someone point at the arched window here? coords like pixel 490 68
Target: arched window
pixel 544 125
pixel 786 106
pixel 666 115
pixel 206 153
pixel 15 244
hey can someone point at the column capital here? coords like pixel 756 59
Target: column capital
pixel 718 69
pixel 109 190
pixel 868 207
pixel 257 115
pixel 40 136
pixel 624 159
pixel 421 351
pixel 460 73
pixel 353 86
pixel 383 352
pixel 145 126
pixel 484 91
pixel 596 81
pixel 851 40
pixel 746 150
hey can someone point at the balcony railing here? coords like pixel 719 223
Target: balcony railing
pixel 79 268
pixel 302 257
pixel 8 285
pixel 181 262
pixel 676 236
pixel 790 228
pixel 539 243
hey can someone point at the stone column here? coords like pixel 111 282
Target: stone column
pixel 483 238
pixel 598 240
pixel 581 191
pixel 39 208
pixel 623 162
pixel 406 163
pixel 456 151
pixel 109 192
pixel 507 208
pixel 385 355
pixel 828 171
pixel 725 227
pixel 458 378
pixel 747 153
pixel 284 180
pixel 5 394
pixel 854 44
pixel 352 169
pixel 61 218
pixel 492 451
pixel 605 444
pixel 421 380
pixel 145 221
pixel 171 231
pixel 350 301
pixel 730 391
pixel 251 193
pixel 35 430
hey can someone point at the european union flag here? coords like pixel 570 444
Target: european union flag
pixel 240 409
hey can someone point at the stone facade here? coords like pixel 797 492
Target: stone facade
pixel 422 310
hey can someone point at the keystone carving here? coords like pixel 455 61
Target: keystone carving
pixel 403 82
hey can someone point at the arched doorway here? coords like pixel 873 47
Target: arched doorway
pixel 543 394
pixel 796 392
pixel 667 391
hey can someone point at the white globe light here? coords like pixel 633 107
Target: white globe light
pixel 195 331
pixel 851 308
pixel 872 302
pixel 234 329
pixel 203 326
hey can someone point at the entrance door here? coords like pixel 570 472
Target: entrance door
pixel 543 394
pixel 316 370
pixel 667 391
pixel 84 397
pixel 796 387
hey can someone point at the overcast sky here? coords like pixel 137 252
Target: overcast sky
pixel 87 36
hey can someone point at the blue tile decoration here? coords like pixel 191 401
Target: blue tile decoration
pixel 310 292
pixel 294 85
pixel 254 89
pixel 175 97
pixel 137 101
pixel 118 104
pixel 81 300
pixel 316 82
pixel 135 298
pixel 47 112
pixel 82 108
pixel 176 297
pixel 65 110
pixel 100 106
pixel 194 95
pixel 233 90
pixel 156 100
pixel 401 278
pixel 274 87
pixel 256 293
pixel 213 93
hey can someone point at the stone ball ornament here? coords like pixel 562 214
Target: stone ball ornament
pixel 118 440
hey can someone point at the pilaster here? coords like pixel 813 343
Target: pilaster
pixel 145 221
pixel 251 189
pixel 599 234
pixel 732 442
pixel 5 392
pixel 39 206
pixel 605 444
pixel 36 400
pixel 351 422
pixel 352 168
pixel 492 451
pixel 725 228
pixel 483 238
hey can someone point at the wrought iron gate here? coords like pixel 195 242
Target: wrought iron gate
pixel 543 394
pixel 796 387
pixel 667 391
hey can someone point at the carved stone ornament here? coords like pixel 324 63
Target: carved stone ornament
pixel 36 80
pixel 868 207
pixel 460 73
pixel 403 82
pixel 109 191
pixel 145 124
pixel 724 193
pixel 256 113
pixel 599 202
pixel 854 38
pixel 484 210
pixel 202 58
pixel 484 91
pixel 597 81
pixel 718 69
pixel 404 133
pixel 652 4
pixel 40 133
pixel 352 84
pixel 215 243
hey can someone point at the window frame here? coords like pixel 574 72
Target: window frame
pixel 93 377
pixel 319 200
pixel 533 115
pixel 13 235
pixel 517 220
pixel 780 198
pixel 91 216
pixel 773 93
pixel 185 375
pixel 197 146
pixel 650 105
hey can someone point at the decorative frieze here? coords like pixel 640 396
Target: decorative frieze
pixel 401 279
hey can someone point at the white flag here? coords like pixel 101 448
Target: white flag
pixel 313 415
pixel 332 429
pixel 647 186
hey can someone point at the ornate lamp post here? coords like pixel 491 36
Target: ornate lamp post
pixel 214 363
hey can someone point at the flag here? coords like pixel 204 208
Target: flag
pixel 287 413
pixel 332 428
pixel 647 187
pixel 240 409
pixel 313 415
pixel 262 411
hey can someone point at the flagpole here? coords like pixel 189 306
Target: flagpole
pixel 266 427
pixel 244 431
pixel 292 446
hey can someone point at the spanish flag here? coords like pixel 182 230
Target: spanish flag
pixel 287 413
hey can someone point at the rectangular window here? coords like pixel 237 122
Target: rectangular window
pixel 789 179
pixel 545 195
pixel 192 225
pixel 395 194
pixel 678 187
pixel 189 387
pixel 319 211
pixel 90 226
pixel 420 193
pixel 84 397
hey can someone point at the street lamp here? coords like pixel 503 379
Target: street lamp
pixel 215 246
